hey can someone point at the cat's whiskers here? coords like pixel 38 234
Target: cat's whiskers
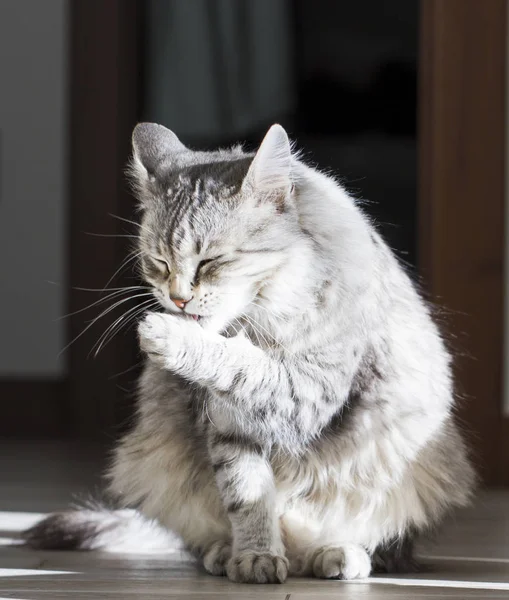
pixel 263 330
pixel 206 412
pixel 115 327
pixel 113 235
pixel 242 328
pixel 256 333
pixel 122 321
pixel 260 329
pixel 116 293
pixel 253 322
pixel 232 324
pixel 128 370
pixel 129 287
pixel 131 222
pixel 270 312
pixel 130 257
pixel 100 316
pixel 275 321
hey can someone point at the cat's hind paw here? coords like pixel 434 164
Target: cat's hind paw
pixel 216 557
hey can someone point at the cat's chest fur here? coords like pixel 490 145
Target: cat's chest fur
pixel 163 467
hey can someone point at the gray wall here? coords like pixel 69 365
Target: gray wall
pixel 33 56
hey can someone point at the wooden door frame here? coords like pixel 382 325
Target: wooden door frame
pixel 105 105
pixel 462 196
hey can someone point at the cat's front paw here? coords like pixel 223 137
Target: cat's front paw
pixel 343 562
pixel 257 567
pixel 166 338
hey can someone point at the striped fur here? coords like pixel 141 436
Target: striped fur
pixel 304 423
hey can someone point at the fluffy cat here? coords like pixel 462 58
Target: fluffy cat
pixel 295 413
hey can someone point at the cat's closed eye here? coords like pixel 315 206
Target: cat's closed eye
pixel 206 261
pixel 162 264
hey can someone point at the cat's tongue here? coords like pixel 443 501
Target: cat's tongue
pixel 195 317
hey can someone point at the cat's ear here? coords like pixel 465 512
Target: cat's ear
pixel 154 144
pixel 270 170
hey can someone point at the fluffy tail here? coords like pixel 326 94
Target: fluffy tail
pixel 123 531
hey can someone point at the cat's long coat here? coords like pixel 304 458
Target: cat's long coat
pixel 296 409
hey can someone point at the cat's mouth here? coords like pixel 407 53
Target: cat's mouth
pixel 196 318
pixel 184 315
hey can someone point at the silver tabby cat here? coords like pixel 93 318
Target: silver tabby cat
pixel 295 413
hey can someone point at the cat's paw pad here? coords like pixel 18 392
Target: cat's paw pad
pixel 216 557
pixel 257 567
pixel 345 562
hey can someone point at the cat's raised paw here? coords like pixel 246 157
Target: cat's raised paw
pixel 344 562
pixel 257 567
pixel 216 557
pixel 153 333
pixel 165 338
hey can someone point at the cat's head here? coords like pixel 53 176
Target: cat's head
pixel 216 226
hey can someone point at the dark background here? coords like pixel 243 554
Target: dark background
pixel 346 75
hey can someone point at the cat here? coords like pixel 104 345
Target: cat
pixel 295 412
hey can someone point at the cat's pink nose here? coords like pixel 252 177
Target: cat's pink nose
pixel 179 302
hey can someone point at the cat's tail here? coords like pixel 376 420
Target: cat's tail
pixel 123 531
